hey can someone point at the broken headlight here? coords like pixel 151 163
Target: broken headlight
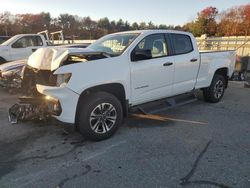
pixel 63 79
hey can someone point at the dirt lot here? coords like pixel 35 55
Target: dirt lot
pixel 196 145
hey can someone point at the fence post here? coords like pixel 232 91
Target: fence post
pixel 227 42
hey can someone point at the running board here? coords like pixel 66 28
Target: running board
pixel 165 104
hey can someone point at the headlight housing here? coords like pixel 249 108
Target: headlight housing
pixel 63 79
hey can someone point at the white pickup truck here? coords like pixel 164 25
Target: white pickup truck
pixel 21 47
pixel 94 88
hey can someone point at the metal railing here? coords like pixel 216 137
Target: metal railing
pixel 239 43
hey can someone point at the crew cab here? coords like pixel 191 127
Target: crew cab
pixel 94 88
pixel 21 47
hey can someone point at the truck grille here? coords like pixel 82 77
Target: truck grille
pixel 32 77
pixel 42 77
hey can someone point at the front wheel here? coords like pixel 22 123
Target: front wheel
pixel 100 116
pixel 216 90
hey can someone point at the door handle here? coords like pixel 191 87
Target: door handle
pixel 167 64
pixel 193 60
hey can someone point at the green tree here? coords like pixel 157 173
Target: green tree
pixel 151 25
pixel 135 26
pixel 104 23
pixel 205 23
pixel 143 25
pixel 120 25
pixel 88 27
pixel 162 26
pixel 5 23
pixel 46 19
pixel 113 26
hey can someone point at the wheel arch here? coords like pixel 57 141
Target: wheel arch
pixel 116 89
pixel 224 72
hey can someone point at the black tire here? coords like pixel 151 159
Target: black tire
pixel 2 61
pixel 216 90
pixel 92 121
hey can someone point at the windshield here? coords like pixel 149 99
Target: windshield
pixel 7 42
pixel 114 44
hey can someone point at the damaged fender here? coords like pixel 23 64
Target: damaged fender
pixel 51 103
pixel 67 99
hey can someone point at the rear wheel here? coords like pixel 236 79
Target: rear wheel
pixel 215 91
pixel 100 116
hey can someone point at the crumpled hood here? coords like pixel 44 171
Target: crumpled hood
pixel 50 58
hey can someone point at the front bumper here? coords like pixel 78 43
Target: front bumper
pixel 67 99
pixel 32 108
pixel 59 102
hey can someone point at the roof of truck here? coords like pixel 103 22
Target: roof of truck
pixel 151 31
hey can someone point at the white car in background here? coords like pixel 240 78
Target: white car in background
pixel 21 47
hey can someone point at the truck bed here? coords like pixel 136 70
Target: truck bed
pixel 211 60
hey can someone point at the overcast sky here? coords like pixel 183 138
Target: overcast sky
pixel 170 12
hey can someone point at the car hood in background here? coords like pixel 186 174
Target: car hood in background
pixel 13 65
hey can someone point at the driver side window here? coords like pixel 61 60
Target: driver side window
pixel 28 41
pixel 156 44
pixel 20 43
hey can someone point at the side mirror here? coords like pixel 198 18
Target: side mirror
pixel 138 55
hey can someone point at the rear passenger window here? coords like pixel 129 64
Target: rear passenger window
pixel 182 44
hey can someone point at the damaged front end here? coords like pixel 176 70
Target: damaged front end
pixel 34 105
pixel 34 108
pixel 40 69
